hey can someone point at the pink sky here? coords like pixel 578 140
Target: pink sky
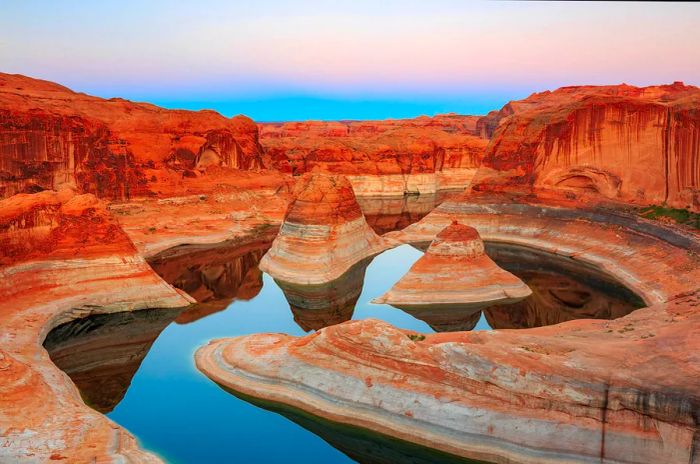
pixel 227 50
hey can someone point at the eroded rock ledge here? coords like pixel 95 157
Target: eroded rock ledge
pixel 64 258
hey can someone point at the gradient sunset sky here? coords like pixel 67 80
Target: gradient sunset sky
pixel 286 60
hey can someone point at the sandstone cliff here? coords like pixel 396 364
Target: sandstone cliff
pixel 380 157
pixel 323 234
pixel 622 143
pixel 116 149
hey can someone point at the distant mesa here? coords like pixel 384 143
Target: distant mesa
pixel 455 272
pixel 324 233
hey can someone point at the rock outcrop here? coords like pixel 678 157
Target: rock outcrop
pixel 619 143
pixel 455 272
pixel 63 258
pixel 392 157
pixel 115 149
pixel 323 234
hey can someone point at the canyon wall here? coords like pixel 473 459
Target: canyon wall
pixel 622 143
pixel 115 149
pixel 421 155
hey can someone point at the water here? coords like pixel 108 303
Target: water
pixel 138 368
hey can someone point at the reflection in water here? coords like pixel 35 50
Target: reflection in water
pixel 386 214
pixel 215 276
pixel 318 306
pixel 179 414
pixel 102 353
pixel 562 290
pixel 360 445
pixel 446 318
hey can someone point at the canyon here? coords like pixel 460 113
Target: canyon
pixel 113 207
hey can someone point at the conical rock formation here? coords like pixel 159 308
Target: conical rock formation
pixel 324 233
pixel 455 272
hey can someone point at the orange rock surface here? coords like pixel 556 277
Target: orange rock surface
pixel 116 149
pixel 621 143
pixel 63 258
pixel 324 233
pixel 456 273
pixel 380 157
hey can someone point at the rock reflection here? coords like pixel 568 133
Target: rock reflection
pixel 562 290
pixel 362 446
pixel 215 276
pixel 447 318
pixel 387 214
pixel 317 306
pixel 102 353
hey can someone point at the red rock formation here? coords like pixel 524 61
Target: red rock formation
pixel 58 225
pixel 63 258
pixel 585 391
pixel 50 135
pixel 455 272
pixel 622 143
pixel 380 157
pixel 324 233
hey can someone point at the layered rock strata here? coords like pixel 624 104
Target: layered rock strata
pixel 392 157
pixel 621 143
pixel 323 234
pixel 455 272
pixel 468 394
pixel 63 258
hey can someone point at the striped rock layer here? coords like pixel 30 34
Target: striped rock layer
pixel 323 234
pixel 455 272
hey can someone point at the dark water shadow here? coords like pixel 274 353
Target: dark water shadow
pixel 360 445
pixel 214 275
pixel 102 353
pixel 563 289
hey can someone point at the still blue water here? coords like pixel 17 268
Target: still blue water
pixel 184 417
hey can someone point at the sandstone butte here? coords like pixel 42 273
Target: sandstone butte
pixel 454 273
pixel 421 155
pixel 324 233
pixel 622 143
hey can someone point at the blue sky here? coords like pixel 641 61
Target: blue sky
pixel 282 60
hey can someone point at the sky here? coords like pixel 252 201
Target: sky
pixel 353 59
